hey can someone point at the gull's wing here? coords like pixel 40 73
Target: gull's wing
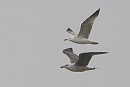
pixel 84 58
pixel 71 32
pixel 69 52
pixel 86 26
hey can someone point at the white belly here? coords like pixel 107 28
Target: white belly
pixel 81 41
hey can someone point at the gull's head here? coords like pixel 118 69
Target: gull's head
pixel 70 38
pixel 65 66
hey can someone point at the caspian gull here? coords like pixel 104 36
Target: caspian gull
pixel 86 26
pixel 79 63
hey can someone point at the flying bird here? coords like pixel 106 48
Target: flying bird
pixel 86 26
pixel 79 63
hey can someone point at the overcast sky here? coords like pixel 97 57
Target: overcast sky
pixel 32 34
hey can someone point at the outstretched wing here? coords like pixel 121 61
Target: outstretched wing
pixel 69 52
pixel 86 26
pixel 84 58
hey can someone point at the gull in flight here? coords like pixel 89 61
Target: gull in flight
pixel 86 26
pixel 79 63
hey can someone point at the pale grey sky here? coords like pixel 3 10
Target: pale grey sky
pixel 31 43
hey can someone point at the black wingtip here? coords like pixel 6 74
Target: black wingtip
pixel 95 53
pixel 68 50
pixel 97 12
pixel 68 29
pixel 98 9
pixel 98 53
pixel 106 52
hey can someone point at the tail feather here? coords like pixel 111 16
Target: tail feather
pixel 94 43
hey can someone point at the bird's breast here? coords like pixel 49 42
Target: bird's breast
pixel 81 40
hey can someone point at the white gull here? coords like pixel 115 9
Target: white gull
pixel 86 26
pixel 79 63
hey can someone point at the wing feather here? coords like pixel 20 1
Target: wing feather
pixel 69 52
pixel 86 26
pixel 84 58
